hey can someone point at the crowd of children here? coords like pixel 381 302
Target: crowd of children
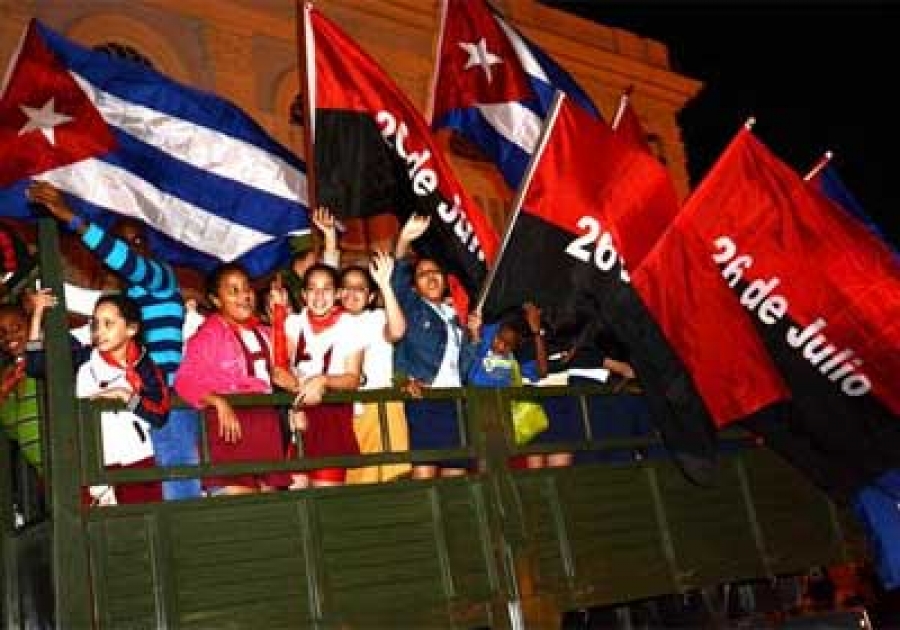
pixel 387 324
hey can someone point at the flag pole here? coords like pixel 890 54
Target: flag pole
pixel 439 45
pixel 817 168
pixel 549 121
pixel 623 103
pixel 305 55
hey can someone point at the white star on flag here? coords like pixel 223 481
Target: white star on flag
pixel 479 55
pixel 43 119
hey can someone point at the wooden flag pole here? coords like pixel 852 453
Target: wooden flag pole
pixel 817 168
pixel 305 56
pixel 549 121
pixel 623 103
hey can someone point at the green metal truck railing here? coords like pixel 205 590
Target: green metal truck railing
pixel 499 547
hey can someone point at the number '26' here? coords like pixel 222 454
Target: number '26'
pixel 604 255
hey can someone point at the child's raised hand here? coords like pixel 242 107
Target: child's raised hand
pixel 42 299
pixel 381 266
pixel 473 323
pixel 532 316
pixel 324 220
pixel 50 197
pixel 414 227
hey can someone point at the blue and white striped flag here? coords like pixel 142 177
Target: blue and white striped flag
pixel 121 138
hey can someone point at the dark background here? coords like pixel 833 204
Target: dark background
pixel 816 75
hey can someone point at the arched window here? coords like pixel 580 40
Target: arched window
pixel 123 51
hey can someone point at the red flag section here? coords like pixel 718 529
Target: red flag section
pixel 593 195
pixel 682 287
pixel 823 294
pixel 810 266
pixel 374 153
pixel 591 183
pixel 628 126
pixel 46 119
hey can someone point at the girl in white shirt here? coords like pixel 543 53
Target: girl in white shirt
pixel 325 354
pixel 380 328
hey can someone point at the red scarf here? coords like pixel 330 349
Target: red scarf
pixel 251 323
pixel 318 323
pixel 133 354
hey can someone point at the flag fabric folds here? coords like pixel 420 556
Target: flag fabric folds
pixel 564 251
pixel 121 138
pixel 824 295
pixel 494 86
pixel 375 153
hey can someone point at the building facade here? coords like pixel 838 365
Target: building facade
pixel 245 50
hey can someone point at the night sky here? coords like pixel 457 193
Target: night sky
pixel 816 75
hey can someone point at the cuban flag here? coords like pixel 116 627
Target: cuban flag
pixel 494 86
pixel 121 138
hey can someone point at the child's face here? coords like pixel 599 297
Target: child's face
pixel 429 281
pixel 109 330
pixel 505 342
pixel 235 299
pixel 355 292
pixel 13 333
pixel 319 293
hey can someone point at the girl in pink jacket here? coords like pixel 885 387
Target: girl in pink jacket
pixel 231 354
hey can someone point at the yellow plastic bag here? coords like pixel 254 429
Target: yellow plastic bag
pixel 528 417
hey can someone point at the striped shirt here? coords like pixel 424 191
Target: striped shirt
pixel 154 287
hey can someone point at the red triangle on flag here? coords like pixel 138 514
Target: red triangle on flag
pixel 479 65
pixel 46 119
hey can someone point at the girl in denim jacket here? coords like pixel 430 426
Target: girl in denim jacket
pixel 435 352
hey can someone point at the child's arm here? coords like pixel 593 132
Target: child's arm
pixel 42 299
pixel 324 220
pixel 152 403
pixel 35 361
pixel 229 425
pixel 533 318
pixel 113 252
pixel 414 227
pixel 312 389
pixel 381 268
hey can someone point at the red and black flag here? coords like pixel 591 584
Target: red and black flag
pixel 592 200
pixel 823 294
pixel 375 154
